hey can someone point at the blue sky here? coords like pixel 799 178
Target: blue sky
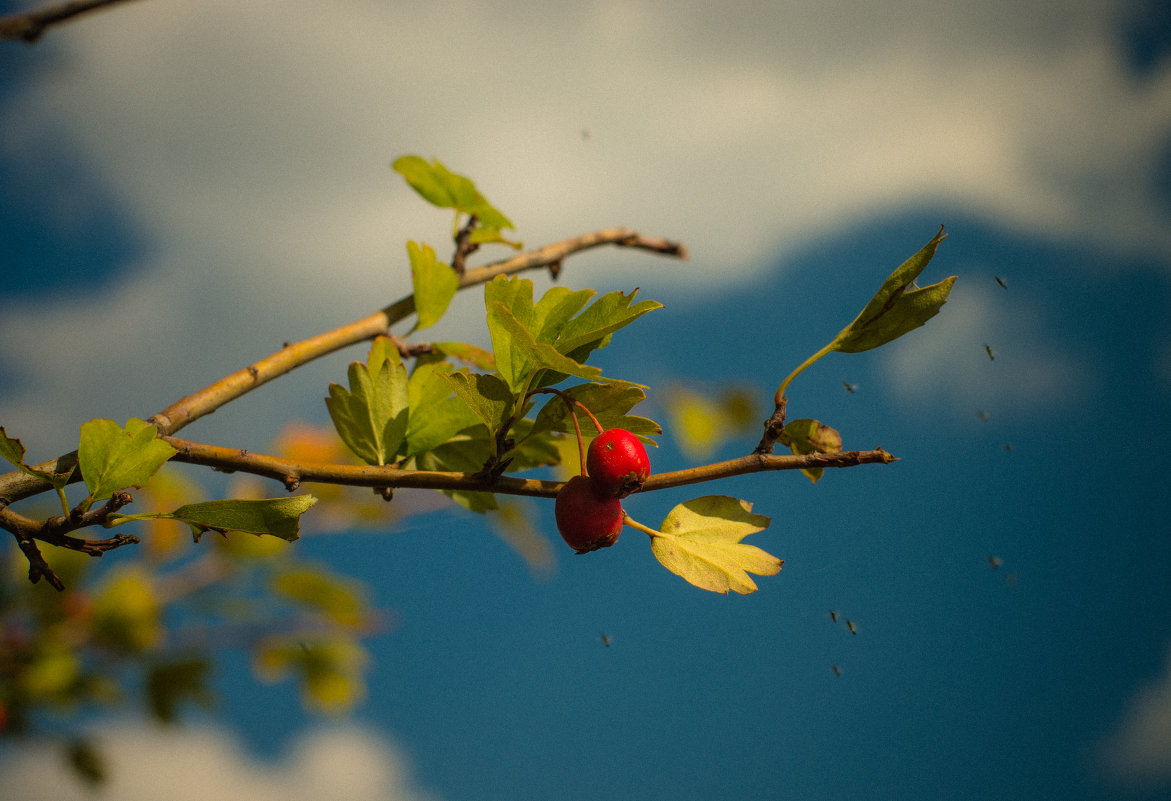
pixel 198 184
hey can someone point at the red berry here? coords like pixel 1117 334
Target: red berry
pixel 617 462
pixel 587 519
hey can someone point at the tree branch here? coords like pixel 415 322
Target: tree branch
pixel 30 26
pixel 17 485
pixel 292 474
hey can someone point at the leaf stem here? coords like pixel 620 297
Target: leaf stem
pixel 650 532
pixel 801 367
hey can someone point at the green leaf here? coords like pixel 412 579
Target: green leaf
pixel 12 450
pixel 487 396
pixel 608 402
pixel 435 284
pixel 448 190
pixel 810 436
pixel 436 414
pixel 899 306
pixel 279 517
pixel 492 236
pixel 700 542
pixel 371 418
pixel 468 354
pixel 517 296
pixel 465 453
pixel 114 458
pixel 557 323
pixel 606 315
pixel 528 356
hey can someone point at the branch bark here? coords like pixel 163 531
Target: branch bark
pixel 30 26
pixel 292 474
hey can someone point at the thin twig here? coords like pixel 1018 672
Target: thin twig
pixel 30 26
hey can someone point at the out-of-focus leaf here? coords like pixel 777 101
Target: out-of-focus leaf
pixel 170 684
pixel 700 542
pixel 701 422
pixel 372 417
pixel 87 761
pixel 338 599
pixel 434 282
pixel 807 436
pixel 13 450
pixel 126 613
pixel 330 669
pixel 51 672
pixel 899 305
pixel 113 458
pixel 512 522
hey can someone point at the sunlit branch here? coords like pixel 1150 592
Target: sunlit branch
pixel 292 473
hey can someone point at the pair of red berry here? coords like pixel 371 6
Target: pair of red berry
pixel 588 509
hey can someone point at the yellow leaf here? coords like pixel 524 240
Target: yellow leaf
pixel 700 542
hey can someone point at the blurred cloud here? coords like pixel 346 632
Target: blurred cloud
pixel 1138 752
pixel 248 150
pixel 147 762
pixel 1028 368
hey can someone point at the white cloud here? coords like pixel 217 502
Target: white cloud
pixel 1138 752
pixel 249 149
pixel 148 763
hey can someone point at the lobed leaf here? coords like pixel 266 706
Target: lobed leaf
pixel 700 542
pixel 489 398
pixel 434 283
pixel 436 414
pixel 529 356
pixel 113 458
pixel 372 417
